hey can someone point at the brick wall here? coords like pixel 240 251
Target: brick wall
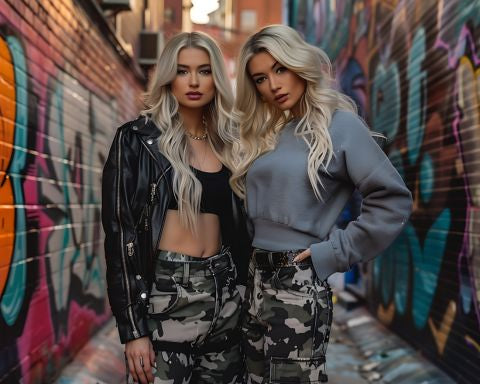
pixel 63 90
pixel 413 68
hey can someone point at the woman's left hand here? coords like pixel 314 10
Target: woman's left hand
pixel 302 256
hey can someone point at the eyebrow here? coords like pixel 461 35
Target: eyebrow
pixel 261 73
pixel 199 66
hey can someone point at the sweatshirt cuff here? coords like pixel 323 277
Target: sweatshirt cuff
pixel 324 260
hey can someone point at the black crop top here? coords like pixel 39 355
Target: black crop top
pixel 216 192
pixel 216 198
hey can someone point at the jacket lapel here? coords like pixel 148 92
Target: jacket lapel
pixel 149 134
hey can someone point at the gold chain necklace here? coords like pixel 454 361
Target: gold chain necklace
pixel 202 137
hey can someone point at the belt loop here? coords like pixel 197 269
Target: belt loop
pixel 211 266
pixel 270 259
pixel 186 274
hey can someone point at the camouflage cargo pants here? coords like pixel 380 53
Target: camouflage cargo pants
pixel 287 321
pixel 194 317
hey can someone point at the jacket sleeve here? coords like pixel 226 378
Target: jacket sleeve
pixel 127 296
pixel 241 239
pixel 386 203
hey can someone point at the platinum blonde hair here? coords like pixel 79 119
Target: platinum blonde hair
pixel 260 122
pixel 162 108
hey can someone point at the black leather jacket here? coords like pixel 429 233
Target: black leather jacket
pixel 136 188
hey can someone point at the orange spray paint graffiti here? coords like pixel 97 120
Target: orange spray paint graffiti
pixel 7 121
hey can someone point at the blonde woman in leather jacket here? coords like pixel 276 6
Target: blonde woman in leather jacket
pixel 175 235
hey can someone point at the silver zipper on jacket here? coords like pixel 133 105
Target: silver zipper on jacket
pixel 127 282
pixel 161 229
pixel 130 252
pixel 153 190
pixel 147 217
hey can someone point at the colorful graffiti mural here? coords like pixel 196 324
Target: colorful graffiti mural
pixel 54 136
pixel 413 69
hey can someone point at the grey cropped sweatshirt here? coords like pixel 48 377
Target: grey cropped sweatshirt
pixel 287 215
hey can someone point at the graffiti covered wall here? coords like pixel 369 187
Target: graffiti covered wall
pixel 62 92
pixel 413 68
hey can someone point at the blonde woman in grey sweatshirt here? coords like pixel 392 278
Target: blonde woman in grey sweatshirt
pixel 304 151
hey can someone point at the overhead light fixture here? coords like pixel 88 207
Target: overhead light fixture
pixel 201 9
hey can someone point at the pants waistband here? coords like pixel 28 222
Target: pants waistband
pixel 182 258
pixel 175 263
pixel 275 259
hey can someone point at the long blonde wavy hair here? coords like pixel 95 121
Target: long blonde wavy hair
pixel 162 108
pixel 260 122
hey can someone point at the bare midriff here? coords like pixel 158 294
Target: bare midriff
pixel 177 238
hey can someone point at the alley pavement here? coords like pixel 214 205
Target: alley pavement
pixel 361 350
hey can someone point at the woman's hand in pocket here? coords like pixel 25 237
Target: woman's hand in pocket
pixel 303 255
pixel 141 358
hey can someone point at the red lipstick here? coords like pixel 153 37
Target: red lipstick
pixel 194 95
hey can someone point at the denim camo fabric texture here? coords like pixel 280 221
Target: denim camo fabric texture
pixel 194 311
pixel 287 321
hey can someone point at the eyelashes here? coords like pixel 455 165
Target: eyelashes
pixel 203 72
pixel 259 80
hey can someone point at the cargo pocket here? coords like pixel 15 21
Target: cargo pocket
pixel 164 295
pixel 297 370
pixel 322 318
